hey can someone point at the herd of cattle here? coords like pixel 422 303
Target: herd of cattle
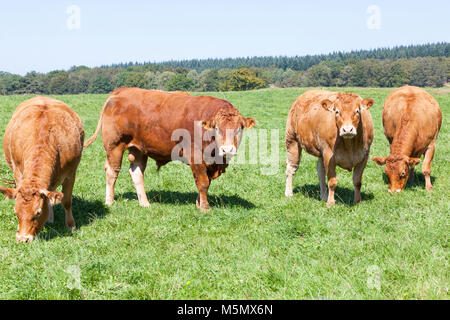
pixel 44 139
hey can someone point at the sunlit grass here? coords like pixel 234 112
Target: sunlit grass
pixel 253 244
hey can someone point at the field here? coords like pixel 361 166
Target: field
pixel 254 243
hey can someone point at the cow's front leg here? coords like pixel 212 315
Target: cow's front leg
pixel 426 167
pixel 67 189
pixel 357 179
pixel 51 215
pixel 330 168
pixel 202 181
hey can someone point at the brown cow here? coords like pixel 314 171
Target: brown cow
pixel 411 119
pixel 335 127
pixel 42 144
pixel 143 121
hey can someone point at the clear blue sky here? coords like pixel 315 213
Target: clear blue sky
pixel 34 34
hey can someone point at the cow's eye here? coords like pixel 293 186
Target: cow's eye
pixel 337 112
pixel 402 175
pixel 38 212
pixel 357 111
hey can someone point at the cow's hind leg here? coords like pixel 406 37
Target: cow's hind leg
pixel 138 163
pixel 426 167
pixel 67 189
pixel 322 181
pixel 294 154
pixel 202 181
pixel 112 168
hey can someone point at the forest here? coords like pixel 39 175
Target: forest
pixel 425 65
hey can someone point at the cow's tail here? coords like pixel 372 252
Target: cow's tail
pixel 99 126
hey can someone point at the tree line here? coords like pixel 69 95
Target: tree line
pixel 303 63
pixel 384 68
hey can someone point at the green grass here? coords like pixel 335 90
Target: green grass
pixel 253 244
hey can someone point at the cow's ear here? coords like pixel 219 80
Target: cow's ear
pixel 326 104
pixel 412 162
pixel 367 103
pixel 209 124
pixel 249 123
pixel 381 161
pixel 54 197
pixel 9 193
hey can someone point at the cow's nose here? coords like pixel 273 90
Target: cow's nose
pixel 227 150
pixel 348 131
pixel 24 237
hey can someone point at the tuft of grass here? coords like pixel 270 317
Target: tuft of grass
pixel 253 244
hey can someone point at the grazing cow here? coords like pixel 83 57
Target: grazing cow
pixel 42 144
pixel 335 127
pixel 143 121
pixel 411 119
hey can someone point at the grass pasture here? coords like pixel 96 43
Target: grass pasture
pixel 254 243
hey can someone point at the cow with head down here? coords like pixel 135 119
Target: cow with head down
pixel 412 120
pixel 203 132
pixel 43 143
pixel 335 127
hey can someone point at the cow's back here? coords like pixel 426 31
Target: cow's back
pixel 43 123
pixel 411 108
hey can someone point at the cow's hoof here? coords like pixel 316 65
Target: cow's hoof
pixel 429 188
pixel 289 194
pixel 204 209
pixel 109 203
pixel 330 204
pixel 71 225
pixel 145 204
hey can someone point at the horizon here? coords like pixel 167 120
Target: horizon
pixel 94 34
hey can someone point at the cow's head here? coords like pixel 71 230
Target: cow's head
pixel 397 170
pixel 347 109
pixel 31 208
pixel 228 126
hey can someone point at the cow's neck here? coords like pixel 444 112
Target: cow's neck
pixel 404 138
pixel 39 167
pixel 356 142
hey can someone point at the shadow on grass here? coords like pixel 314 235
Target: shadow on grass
pixel 419 180
pixel 343 195
pixel 84 212
pixel 175 197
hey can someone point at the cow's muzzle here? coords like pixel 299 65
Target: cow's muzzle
pixel 347 132
pixel 24 238
pixel 227 151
